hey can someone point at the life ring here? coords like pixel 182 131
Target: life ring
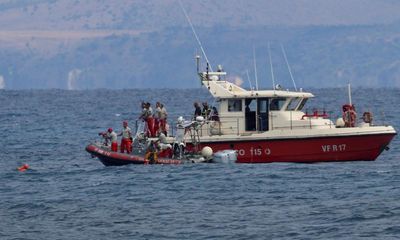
pixel 349 115
pixel 349 118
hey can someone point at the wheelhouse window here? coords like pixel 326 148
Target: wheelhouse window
pixel 292 106
pixel 303 102
pixel 234 105
pixel 277 104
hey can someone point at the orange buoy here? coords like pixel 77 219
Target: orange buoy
pixel 23 168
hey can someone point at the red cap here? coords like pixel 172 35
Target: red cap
pixel 125 122
pixel 110 130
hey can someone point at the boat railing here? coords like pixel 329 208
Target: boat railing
pixel 236 126
pixel 228 126
pixel 211 127
pixel 313 120
pixel 307 120
pixel 140 127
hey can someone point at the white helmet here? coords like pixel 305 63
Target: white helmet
pixel 200 119
pixel 180 120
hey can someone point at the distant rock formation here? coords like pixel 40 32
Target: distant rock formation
pixel 144 44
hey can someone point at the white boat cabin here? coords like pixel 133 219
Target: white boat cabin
pixel 244 111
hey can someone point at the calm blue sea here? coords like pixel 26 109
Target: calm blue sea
pixel 69 195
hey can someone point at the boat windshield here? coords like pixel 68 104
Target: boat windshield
pixel 303 102
pixel 277 104
pixel 294 102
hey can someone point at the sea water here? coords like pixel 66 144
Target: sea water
pixel 66 194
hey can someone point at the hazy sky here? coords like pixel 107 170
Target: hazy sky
pixel 130 43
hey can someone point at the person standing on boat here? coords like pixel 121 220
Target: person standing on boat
pixel 157 116
pixel 126 141
pixel 145 111
pixel 148 117
pixel 161 118
pixel 197 110
pixel 114 140
pixel 206 110
pixel 214 114
pixel 143 105
pixel 149 109
pixel 110 136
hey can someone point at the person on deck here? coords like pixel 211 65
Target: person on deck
pixel 163 119
pixel 197 110
pixel 126 141
pixel 157 110
pixel 206 110
pixel 147 117
pixel 214 114
pixel 144 110
pixel 147 111
pixel 157 116
pixel 151 155
pixel 110 136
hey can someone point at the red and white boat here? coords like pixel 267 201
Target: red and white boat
pixel 261 126
pixel 269 126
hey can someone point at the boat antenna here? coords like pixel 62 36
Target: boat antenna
pixel 272 68
pixel 255 67
pixel 287 63
pixel 194 33
pixel 248 79
pixel 198 62
pixel 349 92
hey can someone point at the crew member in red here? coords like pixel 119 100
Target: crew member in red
pixel 111 136
pixel 144 114
pixel 161 118
pixel 156 116
pixel 126 141
pixel 147 117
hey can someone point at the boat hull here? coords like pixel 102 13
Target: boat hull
pixel 110 158
pixel 306 150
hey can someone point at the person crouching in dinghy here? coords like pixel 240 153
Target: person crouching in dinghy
pixel 126 141
pixel 152 152
pixel 110 136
